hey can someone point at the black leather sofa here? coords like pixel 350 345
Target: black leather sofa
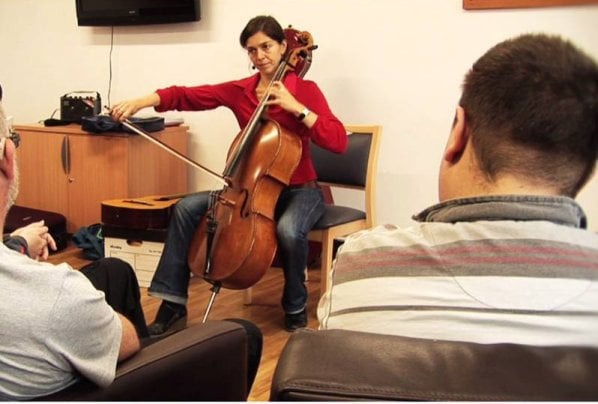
pixel 331 365
pixel 205 362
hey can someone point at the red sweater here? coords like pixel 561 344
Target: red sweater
pixel 239 96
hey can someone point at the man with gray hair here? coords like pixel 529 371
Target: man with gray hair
pixel 59 324
pixel 56 326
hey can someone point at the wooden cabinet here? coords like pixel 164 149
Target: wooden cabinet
pixel 67 170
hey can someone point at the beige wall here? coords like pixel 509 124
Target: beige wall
pixel 398 63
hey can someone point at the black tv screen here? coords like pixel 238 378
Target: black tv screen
pixel 135 12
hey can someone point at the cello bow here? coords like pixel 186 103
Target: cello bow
pixel 130 125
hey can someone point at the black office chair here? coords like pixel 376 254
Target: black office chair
pixel 354 169
pixel 204 362
pixel 343 365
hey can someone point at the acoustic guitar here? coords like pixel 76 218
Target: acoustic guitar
pixel 147 212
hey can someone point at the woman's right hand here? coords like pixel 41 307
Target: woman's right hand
pixel 126 109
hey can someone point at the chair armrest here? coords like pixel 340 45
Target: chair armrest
pixel 205 362
pixel 332 365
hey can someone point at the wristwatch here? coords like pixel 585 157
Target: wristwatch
pixel 304 113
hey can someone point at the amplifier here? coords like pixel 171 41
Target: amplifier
pixel 74 107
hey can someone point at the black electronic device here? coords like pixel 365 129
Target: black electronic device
pixel 77 104
pixel 135 12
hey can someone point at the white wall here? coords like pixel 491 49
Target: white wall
pixel 398 63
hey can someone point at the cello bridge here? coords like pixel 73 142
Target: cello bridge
pixel 225 201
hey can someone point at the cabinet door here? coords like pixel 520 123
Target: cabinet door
pixel 43 183
pixel 98 171
pixel 154 170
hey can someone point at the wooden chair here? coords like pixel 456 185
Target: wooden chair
pixel 354 169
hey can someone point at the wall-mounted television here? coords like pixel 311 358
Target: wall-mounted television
pixel 136 12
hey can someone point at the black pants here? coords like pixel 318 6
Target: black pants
pixel 119 283
pixel 117 280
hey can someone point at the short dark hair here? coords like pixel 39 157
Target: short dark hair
pixel 531 106
pixel 262 23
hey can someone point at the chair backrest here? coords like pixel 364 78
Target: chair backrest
pixel 354 169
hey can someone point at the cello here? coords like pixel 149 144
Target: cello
pixel 235 242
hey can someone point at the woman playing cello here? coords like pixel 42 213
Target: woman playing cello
pixel 299 106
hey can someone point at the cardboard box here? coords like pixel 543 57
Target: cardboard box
pixel 140 248
pixel 143 256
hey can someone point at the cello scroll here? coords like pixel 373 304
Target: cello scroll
pixel 300 44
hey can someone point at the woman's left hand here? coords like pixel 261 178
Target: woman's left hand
pixel 280 95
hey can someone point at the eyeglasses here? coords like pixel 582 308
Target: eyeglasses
pixel 14 136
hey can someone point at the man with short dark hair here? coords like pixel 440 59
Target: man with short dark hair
pixel 505 256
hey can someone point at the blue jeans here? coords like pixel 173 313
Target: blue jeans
pixel 297 210
pixel 171 279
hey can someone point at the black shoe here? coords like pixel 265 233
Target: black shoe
pixel 171 317
pixel 294 321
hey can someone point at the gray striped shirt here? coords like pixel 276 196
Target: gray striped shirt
pixel 487 269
